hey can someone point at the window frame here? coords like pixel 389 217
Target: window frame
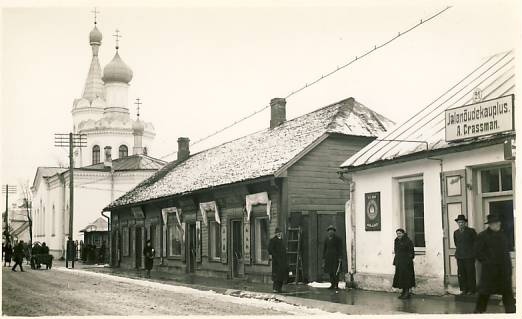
pixel 419 250
pixel 255 241
pixel 96 150
pixel 212 241
pixel 170 255
pixel 123 149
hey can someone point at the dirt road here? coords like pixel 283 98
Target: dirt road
pixel 70 292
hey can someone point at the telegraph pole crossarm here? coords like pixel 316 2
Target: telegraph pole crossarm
pixel 70 140
pixel 6 189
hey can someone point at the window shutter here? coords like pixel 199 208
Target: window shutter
pixel 246 241
pixel 223 242
pixel 183 245
pixel 198 241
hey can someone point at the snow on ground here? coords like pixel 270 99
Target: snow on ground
pixel 266 304
pixel 342 284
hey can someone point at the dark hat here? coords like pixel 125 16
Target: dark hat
pixel 331 227
pixel 461 217
pixel 278 230
pixel 492 219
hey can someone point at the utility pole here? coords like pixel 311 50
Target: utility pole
pixel 70 140
pixel 7 190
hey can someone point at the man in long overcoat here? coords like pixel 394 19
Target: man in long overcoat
pixel 464 239
pixel 332 256
pixel 18 255
pixel 491 249
pixel 277 251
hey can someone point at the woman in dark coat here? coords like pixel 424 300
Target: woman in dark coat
pixel 149 254
pixel 404 273
pixel 277 249
pixel 8 251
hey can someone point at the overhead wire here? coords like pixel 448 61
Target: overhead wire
pixel 322 77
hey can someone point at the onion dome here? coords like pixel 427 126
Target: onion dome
pixel 95 37
pixel 117 71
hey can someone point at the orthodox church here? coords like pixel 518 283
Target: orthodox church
pixel 114 160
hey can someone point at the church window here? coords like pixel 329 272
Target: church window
pixel 124 151
pixel 95 154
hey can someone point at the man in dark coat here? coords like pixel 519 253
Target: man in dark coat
pixel 404 277
pixel 332 256
pixel 277 251
pixel 491 249
pixel 18 255
pixel 8 251
pixel 149 254
pixel 464 239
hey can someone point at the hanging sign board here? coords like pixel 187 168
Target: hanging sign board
pixel 372 211
pixel 479 119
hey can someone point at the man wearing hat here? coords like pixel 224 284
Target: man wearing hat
pixel 332 256
pixel 464 239
pixel 491 249
pixel 277 251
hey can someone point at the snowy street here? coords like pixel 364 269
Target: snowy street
pixel 61 292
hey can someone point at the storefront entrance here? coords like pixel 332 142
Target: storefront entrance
pixel 236 257
pixel 191 247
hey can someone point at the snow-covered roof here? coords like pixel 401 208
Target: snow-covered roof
pixel 132 162
pixel 495 76
pixel 99 224
pixel 259 154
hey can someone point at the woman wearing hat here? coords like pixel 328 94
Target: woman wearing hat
pixel 277 251
pixel 464 239
pixel 491 249
pixel 404 277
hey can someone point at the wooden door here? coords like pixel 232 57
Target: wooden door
pixel 454 204
pixel 138 247
pixel 237 266
pixel 323 221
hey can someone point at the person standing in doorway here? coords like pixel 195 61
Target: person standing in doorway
pixel 277 252
pixel 8 254
pixel 491 249
pixel 19 255
pixel 464 239
pixel 149 254
pixel 332 256
pixel 404 277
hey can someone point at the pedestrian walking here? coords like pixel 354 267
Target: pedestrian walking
pixel 277 251
pixel 404 277
pixel 332 256
pixel 18 255
pixel 149 254
pixel 464 239
pixel 8 254
pixel 491 249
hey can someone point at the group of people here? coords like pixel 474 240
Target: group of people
pixel 490 248
pixel 332 258
pixel 16 253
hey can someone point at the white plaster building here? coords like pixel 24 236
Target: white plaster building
pixel 420 179
pixel 114 161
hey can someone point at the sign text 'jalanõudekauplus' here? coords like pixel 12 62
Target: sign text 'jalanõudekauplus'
pixel 483 118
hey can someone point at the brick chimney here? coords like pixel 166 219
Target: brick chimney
pixel 277 112
pixel 183 148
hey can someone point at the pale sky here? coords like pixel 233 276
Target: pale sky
pixel 200 68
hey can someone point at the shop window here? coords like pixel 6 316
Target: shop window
pixel 214 240
pixel 496 179
pixel 125 239
pixel 175 238
pixel 261 239
pixel 412 208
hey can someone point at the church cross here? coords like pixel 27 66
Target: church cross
pixel 95 12
pixel 117 36
pixel 138 103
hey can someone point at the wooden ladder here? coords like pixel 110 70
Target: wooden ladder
pixel 293 253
